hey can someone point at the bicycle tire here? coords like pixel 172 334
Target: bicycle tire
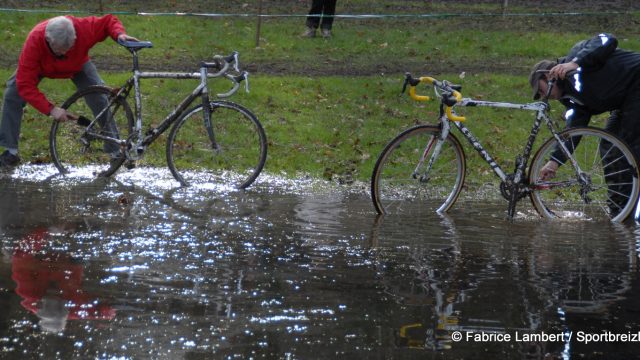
pixel 75 151
pixel 394 190
pixel 611 171
pixel 241 152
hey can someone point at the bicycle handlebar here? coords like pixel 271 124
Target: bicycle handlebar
pixel 450 93
pixel 222 64
pixel 236 80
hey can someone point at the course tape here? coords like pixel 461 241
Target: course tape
pixel 343 16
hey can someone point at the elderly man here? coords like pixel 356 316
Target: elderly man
pixel 56 48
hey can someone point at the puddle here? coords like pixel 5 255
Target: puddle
pixel 137 267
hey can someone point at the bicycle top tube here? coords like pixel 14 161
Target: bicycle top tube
pixel 450 96
pixel 221 64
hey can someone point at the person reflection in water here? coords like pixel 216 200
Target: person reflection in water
pixel 50 283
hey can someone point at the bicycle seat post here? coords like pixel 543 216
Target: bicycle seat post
pixel 134 54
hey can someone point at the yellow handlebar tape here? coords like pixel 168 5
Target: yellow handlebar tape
pixel 449 111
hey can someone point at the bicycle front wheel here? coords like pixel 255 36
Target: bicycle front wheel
pixel 231 151
pixel 77 149
pixel 402 181
pixel 605 187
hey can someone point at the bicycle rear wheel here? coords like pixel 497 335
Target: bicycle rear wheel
pixel 607 189
pixel 75 148
pixel 397 188
pixel 235 157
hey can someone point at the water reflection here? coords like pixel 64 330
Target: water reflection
pixel 541 277
pixel 285 270
pixel 50 282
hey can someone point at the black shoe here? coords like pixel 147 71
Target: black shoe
pixel 7 159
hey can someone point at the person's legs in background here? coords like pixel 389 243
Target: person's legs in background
pixel 328 13
pixel 313 20
pixel 12 111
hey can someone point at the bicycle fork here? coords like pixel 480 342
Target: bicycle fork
pixel 207 110
pixel 433 141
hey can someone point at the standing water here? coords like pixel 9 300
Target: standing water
pixel 136 267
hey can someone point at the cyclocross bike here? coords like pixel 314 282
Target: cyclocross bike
pixel 423 168
pixel 215 141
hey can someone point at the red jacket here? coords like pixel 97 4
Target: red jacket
pixel 35 273
pixel 37 61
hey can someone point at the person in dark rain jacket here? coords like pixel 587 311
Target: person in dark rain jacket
pixel 595 77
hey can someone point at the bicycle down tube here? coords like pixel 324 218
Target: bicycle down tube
pixel 539 108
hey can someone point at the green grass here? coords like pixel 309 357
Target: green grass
pixel 359 46
pixel 329 106
pixel 329 127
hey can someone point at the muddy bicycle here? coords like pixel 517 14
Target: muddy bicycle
pixel 213 142
pixel 424 168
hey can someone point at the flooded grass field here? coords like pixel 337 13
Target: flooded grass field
pixel 136 267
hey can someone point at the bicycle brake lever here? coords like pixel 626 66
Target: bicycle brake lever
pixel 550 85
pixel 449 99
pixel 235 59
pixel 246 79
pixel 408 79
pixel 404 85
pixel 242 77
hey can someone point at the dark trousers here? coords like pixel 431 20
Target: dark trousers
pixel 624 123
pixel 13 104
pixel 13 107
pixel 321 14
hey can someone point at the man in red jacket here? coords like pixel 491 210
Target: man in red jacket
pixel 57 48
pixel 50 283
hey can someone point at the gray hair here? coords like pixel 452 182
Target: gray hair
pixel 60 34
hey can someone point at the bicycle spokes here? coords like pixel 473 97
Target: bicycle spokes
pixel 598 180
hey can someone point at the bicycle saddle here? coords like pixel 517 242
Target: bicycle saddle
pixel 136 45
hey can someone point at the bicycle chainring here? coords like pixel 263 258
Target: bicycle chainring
pixel 509 186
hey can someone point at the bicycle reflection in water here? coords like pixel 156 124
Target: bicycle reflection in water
pixel 542 279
